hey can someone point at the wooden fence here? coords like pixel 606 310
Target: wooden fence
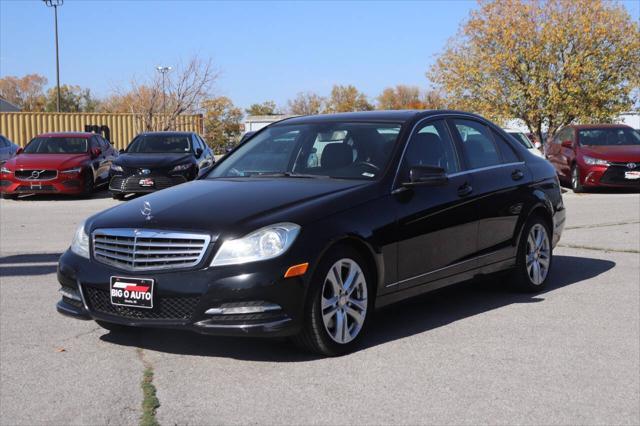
pixel 21 127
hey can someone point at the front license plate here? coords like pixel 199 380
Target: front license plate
pixel 134 292
pixel 632 175
pixel 36 185
pixel 146 182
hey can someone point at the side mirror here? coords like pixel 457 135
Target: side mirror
pixel 199 152
pixel 427 176
pixel 19 150
pixel 567 143
pixel 95 152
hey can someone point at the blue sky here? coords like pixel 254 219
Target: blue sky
pixel 263 50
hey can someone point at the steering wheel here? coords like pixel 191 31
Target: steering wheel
pixel 368 164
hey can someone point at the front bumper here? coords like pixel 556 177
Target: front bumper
pixel 62 184
pixel 612 176
pixel 182 298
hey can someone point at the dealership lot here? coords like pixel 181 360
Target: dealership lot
pixel 473 353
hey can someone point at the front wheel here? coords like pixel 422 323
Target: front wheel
pixel 576 183
pixel 534 256
pixel 117 196
pixel 88 184
pixel 339 305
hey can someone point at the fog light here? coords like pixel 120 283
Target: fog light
pixel 70 293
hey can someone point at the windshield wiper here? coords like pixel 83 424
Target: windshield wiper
pixel 284 174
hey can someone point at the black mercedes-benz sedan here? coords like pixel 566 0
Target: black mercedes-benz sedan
pixel 313 223
pixel 158 160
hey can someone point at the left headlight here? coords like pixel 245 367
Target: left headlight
pixel 595 161
pixel 265 243
pixel 71 171
pixel 116 168
pixel 80 243
pixel 181 167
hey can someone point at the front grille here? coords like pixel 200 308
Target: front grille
pixel 36 174
pixel 132 183
pixel 615 174
pixel 165 308
pixel 147 249
pixel 36 188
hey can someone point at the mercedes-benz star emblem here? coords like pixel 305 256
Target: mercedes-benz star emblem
pixel 145 171
pixel 631 165
pixel 146 210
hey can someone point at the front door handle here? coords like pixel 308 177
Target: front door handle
pixel 517 174
pixel 465 190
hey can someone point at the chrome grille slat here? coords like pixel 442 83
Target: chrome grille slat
pixel 148 249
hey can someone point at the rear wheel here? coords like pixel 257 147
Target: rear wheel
pixel 576 183
pixel 534 256
pixel 113 327
pixel 339 304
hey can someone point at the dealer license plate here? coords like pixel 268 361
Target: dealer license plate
pixel 146 182
pixel 133 292
pixel 632 175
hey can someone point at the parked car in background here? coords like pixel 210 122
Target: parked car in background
pixel 397 204
pixel 600 155
pixel 525 141
pixel 158 160
pixel 58 163
pixel 8 149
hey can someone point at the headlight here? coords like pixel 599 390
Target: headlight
pixel 80 243
pixel 265 243
pixel 116 168
pixel 595 161
pixel 5 171
pixel 181 167
pixel 71 171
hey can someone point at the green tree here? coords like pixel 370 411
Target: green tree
pixel 346 99
pixel 26 92
pixel 265 108
pixel 222 123
pixel 548 63
pixel 72 99
pixel 306 103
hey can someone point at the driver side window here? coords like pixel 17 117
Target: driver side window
pixel 431 145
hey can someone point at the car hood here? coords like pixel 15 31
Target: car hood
pixel 236 206
pixel 615 153
pixel 47 161
pixel 152 160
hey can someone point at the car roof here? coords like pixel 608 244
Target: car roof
pixel 397 116
pixel 599 126
pixel 166 133
pixel 66 134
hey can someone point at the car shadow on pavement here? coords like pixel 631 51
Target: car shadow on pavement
pixel 29 264
pixel 404 319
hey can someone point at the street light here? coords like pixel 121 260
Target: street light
pixel 164 71
pixel 55 4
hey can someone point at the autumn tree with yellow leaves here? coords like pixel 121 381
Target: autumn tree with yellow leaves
pixel 548 63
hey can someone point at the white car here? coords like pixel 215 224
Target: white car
pixel 525 141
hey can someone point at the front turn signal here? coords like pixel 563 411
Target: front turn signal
pixel 296 270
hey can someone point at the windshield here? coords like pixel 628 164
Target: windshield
pixel 337 150
pixel 57 146
pixel 610 136
pixel 522 138
pixel 150 144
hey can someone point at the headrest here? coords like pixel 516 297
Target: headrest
pixel 336 155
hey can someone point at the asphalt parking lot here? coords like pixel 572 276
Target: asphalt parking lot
pixel 473 353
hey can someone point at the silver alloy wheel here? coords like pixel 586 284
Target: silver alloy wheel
pixel 538 254
pixel 344 301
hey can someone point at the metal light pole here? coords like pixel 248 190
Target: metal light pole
pixel 55 4
pixel 164 71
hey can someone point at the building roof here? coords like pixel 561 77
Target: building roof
pixel 6 106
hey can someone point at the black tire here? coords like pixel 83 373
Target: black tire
pixel 576 184
pixel 117 196
pixel 314 336
pixel 113 327
pixel 522 275
pixel 88 185
pixel 9 196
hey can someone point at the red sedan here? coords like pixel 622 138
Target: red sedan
pixel 597 155
pixel 58 163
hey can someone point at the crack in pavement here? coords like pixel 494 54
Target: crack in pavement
pixel 600 225
pixel 604 249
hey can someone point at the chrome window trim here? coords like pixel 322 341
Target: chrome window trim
pixel 150 233
pixel 482 169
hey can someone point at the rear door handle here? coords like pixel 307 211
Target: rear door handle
pixel 517 174
pixel 465 190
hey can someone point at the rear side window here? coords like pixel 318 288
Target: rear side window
pixel 508 155
pixel 477 142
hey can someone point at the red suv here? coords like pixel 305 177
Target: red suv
pixel 598 155
pixel 58 163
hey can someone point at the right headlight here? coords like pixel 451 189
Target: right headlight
pixel 116 168
pixel 265 243
pixel 80 243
